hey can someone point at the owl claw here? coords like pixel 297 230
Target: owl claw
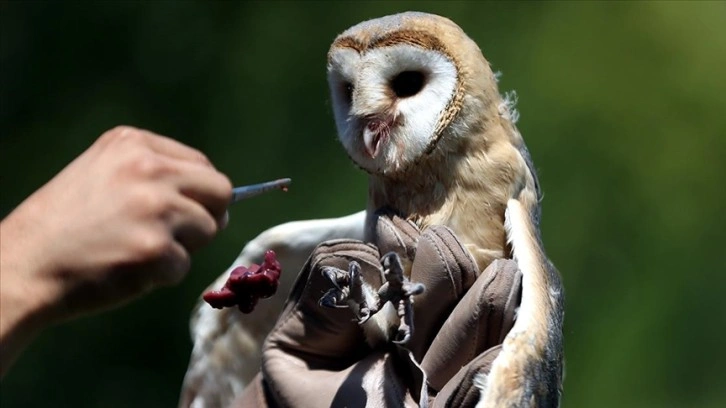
pixel 402 336
pixel 333 299
pixel 357 294
pixel 413 289
pixel 337 277
pixel 349 289
pixel 400 292
pixel 338 295
pixel 363 315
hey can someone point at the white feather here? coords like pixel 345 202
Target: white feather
pixel 226 351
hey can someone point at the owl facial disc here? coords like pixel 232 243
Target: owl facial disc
pixel 388 100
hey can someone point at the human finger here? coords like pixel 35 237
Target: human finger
pixel 396 234
pixel 192 225
pixel 462 389
pixel 447 270
pixel 160 144
pixel 208 187
pixel 479 322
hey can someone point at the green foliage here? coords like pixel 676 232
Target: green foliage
pixel 622 106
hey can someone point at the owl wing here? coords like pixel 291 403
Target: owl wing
pixel 529 368
pixel 227 343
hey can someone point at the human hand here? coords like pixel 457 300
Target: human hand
pixel 119 220
pixel 322 357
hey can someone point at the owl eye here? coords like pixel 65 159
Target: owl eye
pixel 348 91
pixel 408 83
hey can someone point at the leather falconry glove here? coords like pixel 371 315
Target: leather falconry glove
pixel 318 356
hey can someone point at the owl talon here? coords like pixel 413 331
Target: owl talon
pixel 402 336
pixel 363 315
pixel 334 299
pixel 357 294
pixel 350 290
pixel 405 315
pixel 337 296
pixel 338 277
pixel 400 292
pixel 413 289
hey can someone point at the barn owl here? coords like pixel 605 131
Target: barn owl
pixel 417 107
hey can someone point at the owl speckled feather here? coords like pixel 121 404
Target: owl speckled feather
pixel 418 108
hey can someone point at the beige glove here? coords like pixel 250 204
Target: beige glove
pixel 318 356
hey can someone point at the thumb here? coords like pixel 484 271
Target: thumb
pixel 478 323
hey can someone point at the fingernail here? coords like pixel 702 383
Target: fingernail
pixel 225 220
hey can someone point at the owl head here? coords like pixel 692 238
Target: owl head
pixel 405 87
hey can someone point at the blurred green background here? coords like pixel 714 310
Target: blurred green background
pixel 622 106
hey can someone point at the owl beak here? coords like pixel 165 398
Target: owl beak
pixel 375 134
pixel 372 142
